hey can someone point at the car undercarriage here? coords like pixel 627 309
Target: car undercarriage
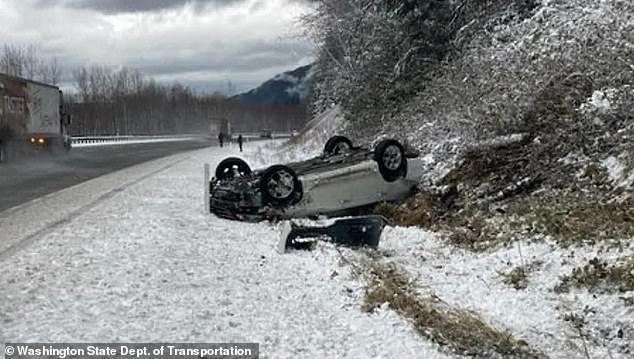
pixel 341 179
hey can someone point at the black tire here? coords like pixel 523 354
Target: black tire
pixel 390 156
pixel 337 145
pixel 231 166
pixel 280 186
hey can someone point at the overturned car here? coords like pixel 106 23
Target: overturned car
pixel 343 178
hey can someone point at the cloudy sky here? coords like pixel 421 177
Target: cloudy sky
pixel 202 43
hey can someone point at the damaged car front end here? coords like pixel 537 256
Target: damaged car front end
pixel 238 200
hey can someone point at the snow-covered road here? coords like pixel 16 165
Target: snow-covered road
pixel 131 256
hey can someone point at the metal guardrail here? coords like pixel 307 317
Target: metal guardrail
pixel 84 140
pixel 94 140
pixel 257 135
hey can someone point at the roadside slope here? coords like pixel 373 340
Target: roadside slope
pixel 145 263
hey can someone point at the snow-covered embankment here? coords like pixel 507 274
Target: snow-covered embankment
pixel 132 256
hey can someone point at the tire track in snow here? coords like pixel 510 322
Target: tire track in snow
pixel 32 238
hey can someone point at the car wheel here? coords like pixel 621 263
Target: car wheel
pixel 232 167
pixel 390 156
pixel 337 145
pixel 280 186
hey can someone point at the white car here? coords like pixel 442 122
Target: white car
pixel 344 177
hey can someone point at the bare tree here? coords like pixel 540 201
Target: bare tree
pixel 51 73
pixel 25 61
pixel 12 60
pixel 32 62
pixel 125 102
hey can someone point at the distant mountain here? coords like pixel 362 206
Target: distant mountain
pixel 286 88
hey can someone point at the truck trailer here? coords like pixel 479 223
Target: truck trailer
pixel 218 125
pixel 32 118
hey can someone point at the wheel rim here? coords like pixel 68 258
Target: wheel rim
pixel 281 185
pixel 392 158
pixel 341 147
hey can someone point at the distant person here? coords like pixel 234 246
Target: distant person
pixel 240 140
pixel 221 139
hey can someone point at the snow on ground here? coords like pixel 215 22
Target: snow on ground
pixel 131 256
pixel 473 281
pixel 311 141
pixel 536 314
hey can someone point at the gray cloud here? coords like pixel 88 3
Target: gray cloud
pixel 246 43
pixel 135 6
pixel 250 56
pixel 246 65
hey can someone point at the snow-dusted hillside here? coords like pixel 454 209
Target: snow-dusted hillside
pixel 525 216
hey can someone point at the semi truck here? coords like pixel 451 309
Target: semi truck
pixel 220 125
pixel 32 118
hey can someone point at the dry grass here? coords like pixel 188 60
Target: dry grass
pixel 599 276
pixel 577 218
pixel 420 210
pixel 470 229
pixel 518 276
pixel 462 331
pixel 467 228
pixel 438 212
pixel 568 217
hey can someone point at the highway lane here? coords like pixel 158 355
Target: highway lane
pixel 31 178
